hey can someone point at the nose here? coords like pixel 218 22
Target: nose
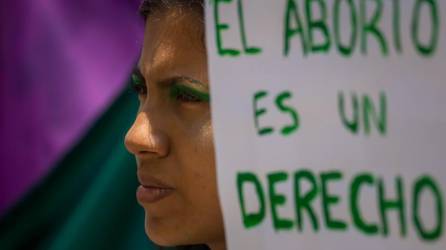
pixel 143 139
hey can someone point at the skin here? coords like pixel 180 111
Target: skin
pixel 171 137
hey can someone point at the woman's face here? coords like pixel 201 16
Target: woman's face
pixel 171 137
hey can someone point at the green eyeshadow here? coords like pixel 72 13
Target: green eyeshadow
pixel 178 89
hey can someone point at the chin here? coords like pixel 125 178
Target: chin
pixel 161 233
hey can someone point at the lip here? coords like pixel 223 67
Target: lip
pixel 151 189
pixel 146 194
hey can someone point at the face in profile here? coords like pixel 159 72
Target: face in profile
pixel 171 136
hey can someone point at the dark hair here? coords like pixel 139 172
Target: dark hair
pixel 149 7
pixel 196 247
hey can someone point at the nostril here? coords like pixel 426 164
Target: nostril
pixel 144 152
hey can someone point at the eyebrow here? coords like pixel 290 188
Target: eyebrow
pixel 138 73
pixel 191 80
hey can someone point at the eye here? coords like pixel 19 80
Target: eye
pixel 186 97
pixel 182 93
pixel 138 85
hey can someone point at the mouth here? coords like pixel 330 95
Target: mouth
pixel 150 194
pixel 151 190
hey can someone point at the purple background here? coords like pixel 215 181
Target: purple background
pixel 62 63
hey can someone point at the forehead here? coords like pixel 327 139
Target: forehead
pixel 173 40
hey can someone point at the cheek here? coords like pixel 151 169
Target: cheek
pixel 197 155
pixel 201 194
pixel 194 139
pixel 194 215
pixel 202 166
pixel 197 169
pixel 200 209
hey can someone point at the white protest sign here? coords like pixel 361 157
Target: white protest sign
pixel 330 122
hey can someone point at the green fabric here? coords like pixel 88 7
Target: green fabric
pixel 88 200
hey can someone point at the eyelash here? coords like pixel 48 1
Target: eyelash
pixel 178 91
pixel 138 85
pixel 182 93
